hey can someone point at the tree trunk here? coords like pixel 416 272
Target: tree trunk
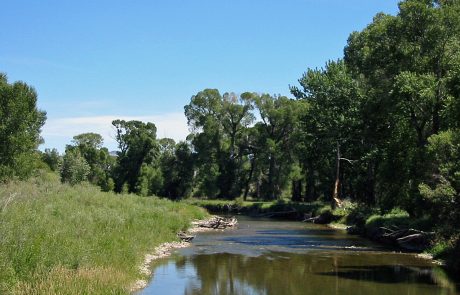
pixel 335 195
pixel 248 182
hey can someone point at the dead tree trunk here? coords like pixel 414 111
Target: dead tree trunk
pixel 335 195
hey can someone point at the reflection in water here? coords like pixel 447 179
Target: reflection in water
pixel 208 268
pixel 287 273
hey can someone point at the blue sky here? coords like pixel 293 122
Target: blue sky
pixel 94 61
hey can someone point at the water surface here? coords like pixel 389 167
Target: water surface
pixel 264 256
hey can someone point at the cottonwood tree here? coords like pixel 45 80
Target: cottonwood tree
pixel 407 65
pixel 178 166
pixel 20 125
pixel 279 116
pixel 218 122
pixel 333 116
pixel 137 167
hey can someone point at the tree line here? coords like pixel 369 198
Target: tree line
pixel 379 126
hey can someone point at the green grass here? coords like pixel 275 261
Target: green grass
pixel 58 239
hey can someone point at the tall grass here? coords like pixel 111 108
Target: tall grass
pixel 59 239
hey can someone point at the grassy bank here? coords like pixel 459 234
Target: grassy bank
pixel 280 208
pixel 58 239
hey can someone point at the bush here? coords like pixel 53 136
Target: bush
pixel 396 217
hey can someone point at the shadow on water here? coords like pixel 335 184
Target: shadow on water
pixel 388 274
pixel 233 263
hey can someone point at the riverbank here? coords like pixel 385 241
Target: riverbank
pixel 356 219
pixel 275 209
pixel 59 239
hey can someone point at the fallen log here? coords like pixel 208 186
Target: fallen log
pixel 185 237
pixel 396 234
pixel 414 242
pixel 408 239
pixel 218 223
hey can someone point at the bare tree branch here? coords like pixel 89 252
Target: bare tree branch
pixel 348 160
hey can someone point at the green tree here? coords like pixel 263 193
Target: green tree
pixel 178 167
pixel 20 125
pixel 90 146
pixel 74 168
pixel 149 181
pixel 52 158
pixel 332 121
pixel 218 122
pixel 138 148
pixel 406 65
pixel 442 188
pixel 279 116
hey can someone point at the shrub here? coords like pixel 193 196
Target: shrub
pixel 396 217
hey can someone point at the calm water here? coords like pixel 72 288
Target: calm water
pixel 276 257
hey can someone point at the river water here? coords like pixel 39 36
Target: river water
pixel 264 256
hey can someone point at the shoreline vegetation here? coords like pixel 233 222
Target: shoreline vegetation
pixel 62 239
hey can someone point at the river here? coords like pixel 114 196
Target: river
pixel 263 256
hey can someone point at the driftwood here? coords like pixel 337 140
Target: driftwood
pixel 408 239
pixel 218 223
pixel 323 218
pixel 185 237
